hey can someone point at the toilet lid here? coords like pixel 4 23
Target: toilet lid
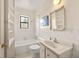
pixel 35 47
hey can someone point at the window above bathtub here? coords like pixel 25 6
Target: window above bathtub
pixel 24 22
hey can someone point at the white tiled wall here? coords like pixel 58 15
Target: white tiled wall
pixel 24 34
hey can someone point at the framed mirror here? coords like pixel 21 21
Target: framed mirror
pixel 58 19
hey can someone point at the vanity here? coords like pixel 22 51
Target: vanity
pixel 50 49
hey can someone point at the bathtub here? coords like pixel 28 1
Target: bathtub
pixel 22 47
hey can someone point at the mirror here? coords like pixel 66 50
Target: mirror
pixel 58 19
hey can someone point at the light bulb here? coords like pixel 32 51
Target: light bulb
pixel 56 2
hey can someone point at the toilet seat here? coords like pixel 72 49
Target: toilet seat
pixel 34 47
pixel 35 50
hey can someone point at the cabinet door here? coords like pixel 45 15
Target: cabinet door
pixel 42 51
pixel 50 54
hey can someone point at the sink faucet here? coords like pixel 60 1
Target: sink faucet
pixel 50 38
pixel 55 40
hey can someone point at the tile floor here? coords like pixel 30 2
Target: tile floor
pixel 25 55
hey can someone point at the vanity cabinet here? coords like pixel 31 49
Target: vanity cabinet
pixel 46 52
pixel 49 54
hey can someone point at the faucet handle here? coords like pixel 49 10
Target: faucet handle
pixel 50 38
pixel 56 41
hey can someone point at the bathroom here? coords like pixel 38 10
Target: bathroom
pixel 26 37
pixel 50 26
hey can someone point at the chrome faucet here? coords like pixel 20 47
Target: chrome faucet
pixel 55 40
pixel 50 38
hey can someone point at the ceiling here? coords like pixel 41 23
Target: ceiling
pixel 33 4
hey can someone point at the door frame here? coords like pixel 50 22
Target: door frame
pixel 4 34
pixel 5 27
pixel 1 28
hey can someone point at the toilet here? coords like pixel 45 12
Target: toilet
pixel 35 50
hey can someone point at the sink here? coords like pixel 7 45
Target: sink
pixel 58 48
pixel 52 44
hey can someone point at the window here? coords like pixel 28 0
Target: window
pixel 44 22
pixel 24 22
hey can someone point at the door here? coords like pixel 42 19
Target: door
pixel 1 27
pixel 7 48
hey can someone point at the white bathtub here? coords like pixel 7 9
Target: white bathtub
pixel 23 46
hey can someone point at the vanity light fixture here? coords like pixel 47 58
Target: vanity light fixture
pixel 56 2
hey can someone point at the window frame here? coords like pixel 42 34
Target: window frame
pixel 24 22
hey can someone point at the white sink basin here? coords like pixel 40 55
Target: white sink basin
pixel 52 44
